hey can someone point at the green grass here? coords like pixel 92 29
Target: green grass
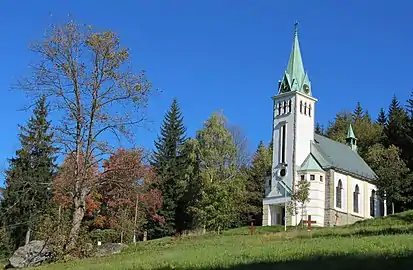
pixel 383 243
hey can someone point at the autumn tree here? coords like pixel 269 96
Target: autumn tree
pixel 129 200
pixel 87 79
pixel 28 179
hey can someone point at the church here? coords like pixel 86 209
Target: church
pixel 342 189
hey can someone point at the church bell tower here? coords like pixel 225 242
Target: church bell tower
pixel 293 123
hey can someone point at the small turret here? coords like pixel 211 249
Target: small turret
pixel 351 140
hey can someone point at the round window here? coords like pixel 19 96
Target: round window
pixel 283 172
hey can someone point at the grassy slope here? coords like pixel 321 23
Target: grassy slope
pixel 383 243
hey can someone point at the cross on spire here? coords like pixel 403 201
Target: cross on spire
pixel 296 27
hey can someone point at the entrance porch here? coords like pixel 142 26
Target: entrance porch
pixel 273 214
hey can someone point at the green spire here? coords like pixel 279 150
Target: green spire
pixel 351 138
pixel 295 77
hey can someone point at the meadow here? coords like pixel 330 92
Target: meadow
pixel 381 243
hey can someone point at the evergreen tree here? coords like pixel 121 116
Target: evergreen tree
pixel 169 164
pixel 319 129
pixel 358 112
pixel 397 129
pixel 29 177
pixel 260 169
pixel 382 118
pixel 192 194
pixel 337 129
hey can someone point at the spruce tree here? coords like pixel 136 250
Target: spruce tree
pixel 29 177
pixel 358 112
pixel 382 118
pixel 397 130
pixel 260 169
pixel 167 159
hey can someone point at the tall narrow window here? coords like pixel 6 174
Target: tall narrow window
pixel 309 110
pixel 373 203
pixel 301 106
pixel 356 199
pixel 279 108
pixel 305 108
pixel 285 106
pixel 282 141
pixel 339 189
pixel 289 106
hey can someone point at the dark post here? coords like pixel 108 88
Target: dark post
pixel 252 227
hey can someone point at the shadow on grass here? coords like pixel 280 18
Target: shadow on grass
pixel 324 263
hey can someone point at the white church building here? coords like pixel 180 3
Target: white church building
pixel 342 189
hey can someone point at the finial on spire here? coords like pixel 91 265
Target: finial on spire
pixel 296 27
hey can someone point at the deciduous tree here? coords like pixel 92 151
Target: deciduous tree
pixel 222 188
pixel 87 79
pixel 301 195
pixel 391 170
pixel 129 200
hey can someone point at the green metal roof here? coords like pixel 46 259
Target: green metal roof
pixel 350 133
pixel 332 154
pixel 311 164
pixel 295 76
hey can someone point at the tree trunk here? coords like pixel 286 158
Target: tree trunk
pixel 392 208
pixel 28 233
pixel 78 215
pixel 136 219
pixel 302 215
pixel 121 237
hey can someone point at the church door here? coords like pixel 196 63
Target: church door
pixel 282 215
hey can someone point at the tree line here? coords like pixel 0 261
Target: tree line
pixel 386 144
pixel 83 81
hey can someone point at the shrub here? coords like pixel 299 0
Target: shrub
pixel 105 236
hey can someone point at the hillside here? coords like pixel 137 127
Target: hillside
pixel 382 243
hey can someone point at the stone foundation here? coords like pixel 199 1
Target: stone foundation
pixel 339 218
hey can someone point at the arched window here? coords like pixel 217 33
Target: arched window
pixel 279 108
pixel 285 106
pixel 356 199
pixel 339 189
pixel 373 203
pixel 301 106
pixel 309 110
pixel 305 108
pixel 289 106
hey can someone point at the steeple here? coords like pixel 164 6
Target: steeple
pixel 295 77
pixel 351 140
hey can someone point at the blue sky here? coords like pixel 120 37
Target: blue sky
pixel 228 55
